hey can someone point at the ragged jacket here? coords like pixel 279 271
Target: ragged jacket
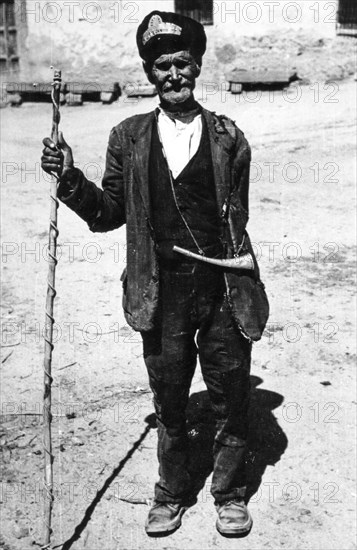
pixel 125 199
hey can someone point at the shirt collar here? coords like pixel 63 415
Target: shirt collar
pixel 183 117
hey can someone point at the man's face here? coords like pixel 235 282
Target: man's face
pixel 174 76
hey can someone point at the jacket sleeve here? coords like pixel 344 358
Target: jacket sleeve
pixel 238 212
pixel 103 209
pixel 241 170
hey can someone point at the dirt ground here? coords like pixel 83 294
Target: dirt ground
pixel 301 451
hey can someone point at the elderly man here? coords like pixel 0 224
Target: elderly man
pixel 179 176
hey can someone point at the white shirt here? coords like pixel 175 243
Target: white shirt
pixel 180 140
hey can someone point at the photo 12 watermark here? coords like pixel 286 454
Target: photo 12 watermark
pixel 224 12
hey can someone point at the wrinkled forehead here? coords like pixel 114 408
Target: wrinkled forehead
pixel 182 55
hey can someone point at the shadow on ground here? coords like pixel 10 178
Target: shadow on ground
pixel 266 444
pixel 150 424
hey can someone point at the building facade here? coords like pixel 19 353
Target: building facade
pixel 95 40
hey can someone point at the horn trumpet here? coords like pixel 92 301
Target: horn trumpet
pixel 245 261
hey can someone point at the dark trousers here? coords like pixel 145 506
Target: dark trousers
pixel 195 317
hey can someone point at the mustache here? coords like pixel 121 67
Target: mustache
pixel 176 86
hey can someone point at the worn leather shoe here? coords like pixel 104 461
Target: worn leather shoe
pixel 233 518
pixel 164 518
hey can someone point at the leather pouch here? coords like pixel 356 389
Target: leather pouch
pixel 248 303
pixel 247 297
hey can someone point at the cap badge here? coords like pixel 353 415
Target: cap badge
pixel 157 26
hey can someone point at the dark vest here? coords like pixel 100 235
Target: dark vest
pixel 196 198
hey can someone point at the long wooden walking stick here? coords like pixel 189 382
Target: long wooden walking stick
pixel 49 321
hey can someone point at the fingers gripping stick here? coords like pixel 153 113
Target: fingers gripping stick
pixel 49 321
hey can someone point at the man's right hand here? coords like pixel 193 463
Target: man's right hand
pixel 56 159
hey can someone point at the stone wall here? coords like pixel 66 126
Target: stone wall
pixel 95 40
